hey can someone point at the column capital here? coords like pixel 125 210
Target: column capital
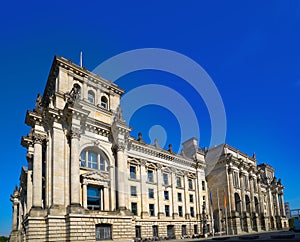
pixel 39 138
pixel 75 133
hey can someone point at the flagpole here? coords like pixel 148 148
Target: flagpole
pixel 225 206
pixel 219 211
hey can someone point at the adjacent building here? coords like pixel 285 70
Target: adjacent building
pixel 87 179
pixel 246 197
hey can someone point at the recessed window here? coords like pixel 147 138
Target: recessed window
pixel 133 191
pixel 179 196
pixel 192 212
pixel 190 181
pixel 93 159
pixel 150 176
pixel 93 198
pixel 191 198
pixel 155 230
pixel 151 210
pixel 203 185
pixel 91 96
pixel 151 193
pixel 183 230
pixel 166 195
pixel 166 179
pixel 167 210
pixel 103 232
pixel 178 181
pixel 104 102
pixel 132 172
pixel 180 213
pixel 134 208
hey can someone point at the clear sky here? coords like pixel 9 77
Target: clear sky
pixel 250 49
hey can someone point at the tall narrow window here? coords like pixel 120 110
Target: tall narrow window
pixel 178 181
pixel 104 102
pixel 155 230
pixel 203 185
pixel 180 213
pixel 150 193
pixel 190 181
pixel 151 210
pixel 91 96
pixel 166 195
pixel 179 197
pixel 167 210
pixel 150 176
pixel 192 212
pixel 191 198
pixel 134 208
pixel 133 191
pixel 132 172
pixel 166 178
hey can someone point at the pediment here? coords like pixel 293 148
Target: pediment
pixel 96 176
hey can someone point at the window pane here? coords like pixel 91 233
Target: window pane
pixel 150 176
pixel 82 158
pixel 132 172
pixel 166 178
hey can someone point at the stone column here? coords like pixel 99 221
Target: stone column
pixel 186 196
pixel 101 199
pixel 84 194
pixel 160 192
pixel 243 203
pixel 58 171
pixel 106 199
pixel 74 167
pixel 122 177
pixel 282 205
pixel 174 195
pixel 29 184
pixel 15 215
pixel 252 204
pixel 112 188
pixel 37 172
pixel 144 194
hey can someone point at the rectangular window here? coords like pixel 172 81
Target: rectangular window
pixel 203 185
pixel 246 183
pixel 93 198
pixel 150 193
pixel 180 213
pixel 155 230
pixel 103 231
pixel 191 198
pixel 133 191
pixel 167 210
pixel 179 196
pixel 166 195
pixel 183 230
pixel 195 229
pixel 190 181
pixel 235 177
pixel 150 176
pixel 151 210
pixel 178 181
pixel 134 208
pixel 138 231
pixel 166 179
pixel 192 212
pixel 132 172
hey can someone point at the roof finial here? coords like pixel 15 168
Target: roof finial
pixel 80 58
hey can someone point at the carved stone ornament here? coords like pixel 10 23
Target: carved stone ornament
pixel 38 138
pixel 74 94
pixel 159 166
pixel 75 133
pixel 143 162
pixel 96 177
pixel 38 104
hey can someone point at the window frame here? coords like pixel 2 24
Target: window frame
pixel 133 191
pixel 98 227
pixel 150 193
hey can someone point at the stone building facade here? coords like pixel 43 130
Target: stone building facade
pixel 87 179
pixel 246 197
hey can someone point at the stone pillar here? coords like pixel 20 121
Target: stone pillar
pixel 122 177
pixel 186 196
pixel 29 185
pixel 282 205
pixel 74 167
pixel 58 176
pixel 84 194
pixel 160 193
pixel 106 199
pixel 101 199
pixel 37 172
pixel 252 202
pixel 174 195
pixel 243 203
pixel 15 215
pixel 144 194
pixel 232 199
pixel 112 188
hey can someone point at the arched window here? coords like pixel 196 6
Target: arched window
pixel 247 199
pixel 104 102
pixel 94 158
pixel 256 205
pixel 91 96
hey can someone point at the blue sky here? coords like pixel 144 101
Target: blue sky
pixel 250 49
